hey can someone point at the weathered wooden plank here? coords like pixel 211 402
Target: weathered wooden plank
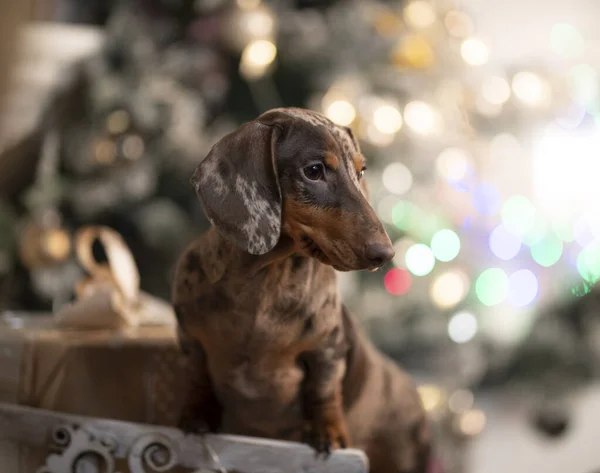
pixel 167 449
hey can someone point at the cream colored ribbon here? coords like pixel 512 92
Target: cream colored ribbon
pixel 110 297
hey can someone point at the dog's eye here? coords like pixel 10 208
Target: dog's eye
pixel 361 173
pixel 314 172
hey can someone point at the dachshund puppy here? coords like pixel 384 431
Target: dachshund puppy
pixel 275 352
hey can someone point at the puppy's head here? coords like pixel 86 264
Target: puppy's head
pixel 293 172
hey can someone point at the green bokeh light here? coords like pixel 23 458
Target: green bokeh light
pixel 583 85
pixel 547 251
pixel 566 41
pixel 537 232
pixel 492 286
pixel 588 263
pixel 563 230
pixel 419 259
pixel 445 245
pixel 518 215
pixel 405 215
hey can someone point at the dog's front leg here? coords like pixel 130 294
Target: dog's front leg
pixel 322 401
pixel 201 411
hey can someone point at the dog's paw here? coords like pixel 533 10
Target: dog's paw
pixel 327 436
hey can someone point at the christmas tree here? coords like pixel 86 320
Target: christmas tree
pixel 483 177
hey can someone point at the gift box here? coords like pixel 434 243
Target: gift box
pixel 112 353
pixel 134 374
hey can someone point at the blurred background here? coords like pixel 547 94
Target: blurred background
pixel 481 124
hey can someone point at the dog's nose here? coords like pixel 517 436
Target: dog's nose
pixel 378 253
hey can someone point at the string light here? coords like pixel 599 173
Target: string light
pixel 397 281
pixel 256 58
pixel 449 288
pixel 538 231
pixel 523 288
pixel 486 199
pixel 492 286
pixel 445 245
pixel 588 263
pixel 474 52
pixel 566 41
pixel 420 117
pixel 341 112
pixel 431 397
pixel 582 81
pixel 518 214
pixel 259 23
pixel 582 233
pixel 458 24
pixel 530 89
pixel 462 327
pixel 419 259
pixel 397 178
pixel 387 119
pixel 472 423
pixel 452 164
pixel 504 244
pixel 419 14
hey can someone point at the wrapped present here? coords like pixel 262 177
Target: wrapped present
pixel 112 353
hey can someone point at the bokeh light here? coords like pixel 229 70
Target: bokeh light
pixel 458 24
pixel 530 88
pixel 341 112
pixel 538 230
pixel 504 244
pixel 486 199
pixel 571 116
pixel 563 228
pixel 588 263
pixel 492 286
pixel 419 259
pixel 397 281
pixel 445 245
pixel 462 327
pixel 405 215
pixel 547 251
pixel 495 90
pixel 523 288
pixel 419 14
pixel 397 178
pixel 583 84
pixel 474 52
pixel 449 288
pixel 256 58
pixel 518 214
pixel 582 233
pixel 565 170
pixel 377 137
pixel 387 119
pixel 452 164
pixel 566 41
pixel 420 117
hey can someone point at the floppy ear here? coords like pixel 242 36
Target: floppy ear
pixel 238 188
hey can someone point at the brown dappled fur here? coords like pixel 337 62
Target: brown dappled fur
pixel 277 354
